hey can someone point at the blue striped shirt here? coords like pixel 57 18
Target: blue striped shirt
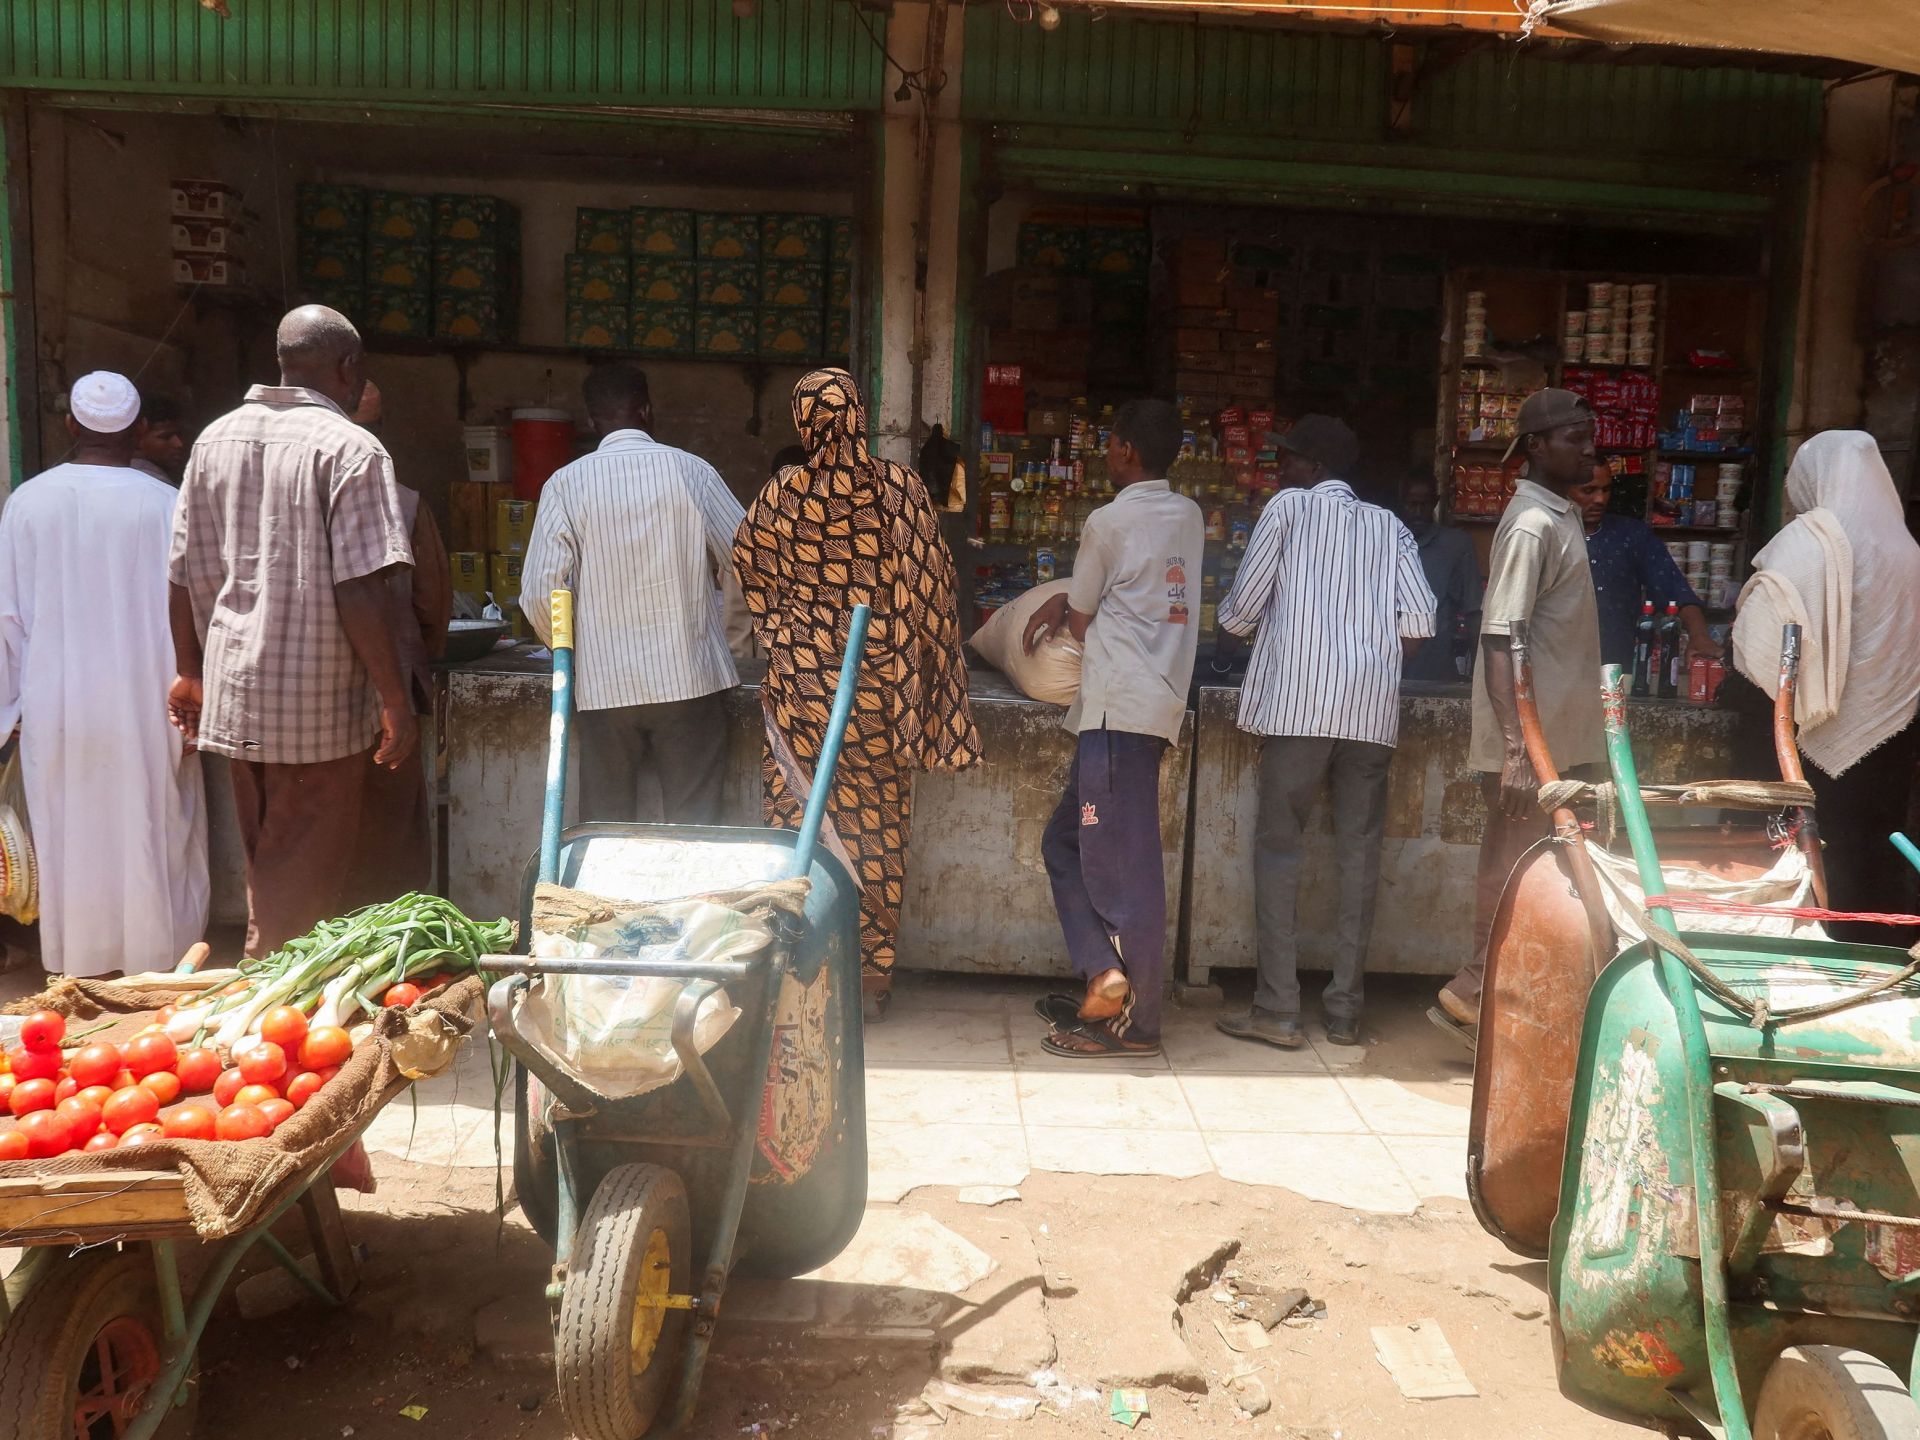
pixel 636 530
pixel 1333 586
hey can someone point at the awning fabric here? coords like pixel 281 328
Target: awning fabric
pixel 1882 33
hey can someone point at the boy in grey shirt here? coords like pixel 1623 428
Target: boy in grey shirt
pixel 1131 605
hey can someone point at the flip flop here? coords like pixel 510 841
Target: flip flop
pixel 1062 1012
pixel 1112 1047
pixel 1463 1033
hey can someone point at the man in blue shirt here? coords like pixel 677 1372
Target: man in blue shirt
pixel 1630 565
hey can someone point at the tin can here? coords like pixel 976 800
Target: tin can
pixel 1043 564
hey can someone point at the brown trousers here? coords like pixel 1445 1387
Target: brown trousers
pixel 300 826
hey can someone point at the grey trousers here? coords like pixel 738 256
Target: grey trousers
pixel 1291 769
pixel 654 763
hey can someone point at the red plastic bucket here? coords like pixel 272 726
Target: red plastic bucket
pixel 542 443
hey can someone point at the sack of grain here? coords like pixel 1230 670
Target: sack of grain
pixel 1052 672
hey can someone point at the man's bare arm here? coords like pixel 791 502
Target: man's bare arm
pixel 364 606
pixel 185 695
pixel 1519 786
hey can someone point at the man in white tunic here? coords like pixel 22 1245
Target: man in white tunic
pixel 114 798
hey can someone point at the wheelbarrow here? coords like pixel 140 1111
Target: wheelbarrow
pixel 753 1158
pixel 1737 1246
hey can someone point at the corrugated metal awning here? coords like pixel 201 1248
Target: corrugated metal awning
pixel 1879 33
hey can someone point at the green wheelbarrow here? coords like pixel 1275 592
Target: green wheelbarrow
pixel 1737 1249
pixel 754 1158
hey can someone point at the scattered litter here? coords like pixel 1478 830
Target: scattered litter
pixel 1249 1393
pixel 987 1195
pixel 1268 1307
pixel 1221 1295
pixel 1129 1407
pixel 414 1412
pixel 292 1362
pixel 346 1432
pixel 1421 1361
pixel 946 1396
pixel 1043 1228
pixel 1242 1336
pixel 768 1427
pixel 1059 1393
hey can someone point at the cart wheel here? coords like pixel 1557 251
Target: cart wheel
pixel 618 1347
pixel 1827 1392
pixel 80 1354
pixel 535 1180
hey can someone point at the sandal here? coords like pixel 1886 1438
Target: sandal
pixel 1061 1012
pixel 1095 1042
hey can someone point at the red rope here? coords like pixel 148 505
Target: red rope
pixel 1796 912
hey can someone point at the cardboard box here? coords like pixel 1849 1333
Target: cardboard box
pixel 205 200
pixel 213 270
pixel 208 237
pixel 836 340
pixel 788 333
pixel 840 240
pixel 1253 362
pixel 801 238
pixel 598 325
pixel 473 315
pixel 662 283
pixel 1202 362
pixel 596 279
pixel 396 215
pixel 1191 338
pixel 725 237
pixel 1046 246
pixel 470 576
pixel 486 218
pixel 470 516
pixel 406 314
pixel 400 265
pixel 1119 253
pixel 727 284
pixel 1202 256
pixel 793 284
pixel 839 287
pixel 348 297
pixel 663 329
pixel 602 232
pixel 512 525
pixel 503 577
pixel 1209 294
pixel 1190 316
pixel 336 208
pixel 473 267
pixel 725 330
pixel 662 234
pixel 1244 341
pixel 325 257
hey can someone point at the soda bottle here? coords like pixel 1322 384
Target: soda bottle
pixel 1049 529
pixel 1644 665
pixel 1674 664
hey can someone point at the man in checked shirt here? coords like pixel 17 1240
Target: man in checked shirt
pixel 288 527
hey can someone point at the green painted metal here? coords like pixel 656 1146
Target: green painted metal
pixel 1662 1153
pixel 790 54
pixel 970 258
pixel 15 299
pixel 871 273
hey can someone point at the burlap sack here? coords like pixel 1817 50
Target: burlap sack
pixel 230 1185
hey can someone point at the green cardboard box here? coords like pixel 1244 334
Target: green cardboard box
pixel 727 283
pixel 662 234
pixel 840 240
pixel 1047 246
pixel 793 237
pixel 458 266
pixel 471 315
pixel 789 284
pixel 840 287
pixel 396 215
pixel 837 336
pixel 486 218
pixel 599 279
pixel 789 333
pixel 662 282
pixel 331 257
pixel 663 329
pixel 726 237
pixel 597 325
pixel 1119 253
pixel 331 208
pixel 399 264
pixel 403 313
pixel 727 331
pixel 602 232
pixel 349 297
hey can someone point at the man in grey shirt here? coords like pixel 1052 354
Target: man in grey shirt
pixel 1453 574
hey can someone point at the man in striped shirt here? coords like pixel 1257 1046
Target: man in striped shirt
pixel 639 531
pixel 1335 589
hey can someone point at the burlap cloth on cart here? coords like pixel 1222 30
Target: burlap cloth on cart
pixel 231 1185
pixel 560 911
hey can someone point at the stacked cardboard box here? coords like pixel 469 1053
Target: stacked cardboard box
pixel 726 284
pixel 662 246
pixel 330 245
pixel 476 268
pixel 398 270
pixel 1228 311
pixel 837 332
pixel 599 295
pixel 209 240
pixel 793 286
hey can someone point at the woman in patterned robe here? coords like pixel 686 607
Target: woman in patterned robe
pixel 843 530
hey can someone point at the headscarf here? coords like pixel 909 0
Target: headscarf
pixel 1847 572
pixel 846 529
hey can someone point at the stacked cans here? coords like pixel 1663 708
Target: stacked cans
pixel 1727 495
pixel 1720 589
pixel 1473 330
pixel 1616 328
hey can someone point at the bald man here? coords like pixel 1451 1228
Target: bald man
pixel 288 530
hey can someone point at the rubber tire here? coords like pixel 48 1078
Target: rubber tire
pixel 600 1396
pixel 46 1341
pixel 1849 1393
pixel 535 1179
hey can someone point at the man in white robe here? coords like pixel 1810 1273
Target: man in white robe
pixel 114 798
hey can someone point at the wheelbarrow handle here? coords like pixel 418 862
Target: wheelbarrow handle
pixel 553 814
pixel 815 813
pixel 723 971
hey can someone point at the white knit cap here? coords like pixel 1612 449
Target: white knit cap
pixel 104 402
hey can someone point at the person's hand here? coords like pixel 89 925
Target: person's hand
pixel 1519 786
pixel 1708 646
pixel 184 698
pixel 399 733
pixel 1045 624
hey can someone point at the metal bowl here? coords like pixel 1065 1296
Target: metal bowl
pixel 471 639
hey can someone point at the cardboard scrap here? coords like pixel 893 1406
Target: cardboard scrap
pixel 414 1412
pixel 1242 1335
pixel 1421 1361
pixel 1128 1407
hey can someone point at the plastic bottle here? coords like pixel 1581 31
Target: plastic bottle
pixel 1674 663
pixel 1643 644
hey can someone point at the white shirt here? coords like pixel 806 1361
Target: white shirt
pixel 636 530
pixel 1334 586
pixel 1135 573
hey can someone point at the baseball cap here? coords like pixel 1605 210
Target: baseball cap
pixel 1546 410
pixel 1325 441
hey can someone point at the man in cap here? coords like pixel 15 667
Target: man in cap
pixel 289 527
pixel 1334 588
pixel 114 799
pixel 1538 576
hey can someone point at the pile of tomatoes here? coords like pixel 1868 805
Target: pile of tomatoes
pixel 103 1096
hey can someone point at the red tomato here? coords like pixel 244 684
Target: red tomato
pixel 191 1122
pixel 256 1095
pixel 43 1030
pixel 128 1108
pixel 163 1015
pixel 95 1064
pixel 328 1073
pixel 276 1110
pixel 13 1145
pixel 105 1140
pixel 198 1069
pixel 82 1117
pixel 301 1088
pixel 164 1084
pixel 148 1053
pixel 140 1134
pixel 401 996
pixel 228 1086
pixel 95 1095
pixel 31 1095
pixel 326 1046
pixel 48 1134
pixel 122 1079
pixel 7 1082
pixel 285 1027
pixel 262 1062
pixel 242 1122
pixel 33 1064
pixel 65 1089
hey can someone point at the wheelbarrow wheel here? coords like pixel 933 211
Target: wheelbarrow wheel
pixel 79 1356
pixel 1827 1392
pixel 535 1182
pixel 618 1346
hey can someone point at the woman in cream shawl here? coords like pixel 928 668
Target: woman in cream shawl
pixel 1847 571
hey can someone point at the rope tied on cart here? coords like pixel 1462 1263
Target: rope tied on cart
pixel 1723 794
